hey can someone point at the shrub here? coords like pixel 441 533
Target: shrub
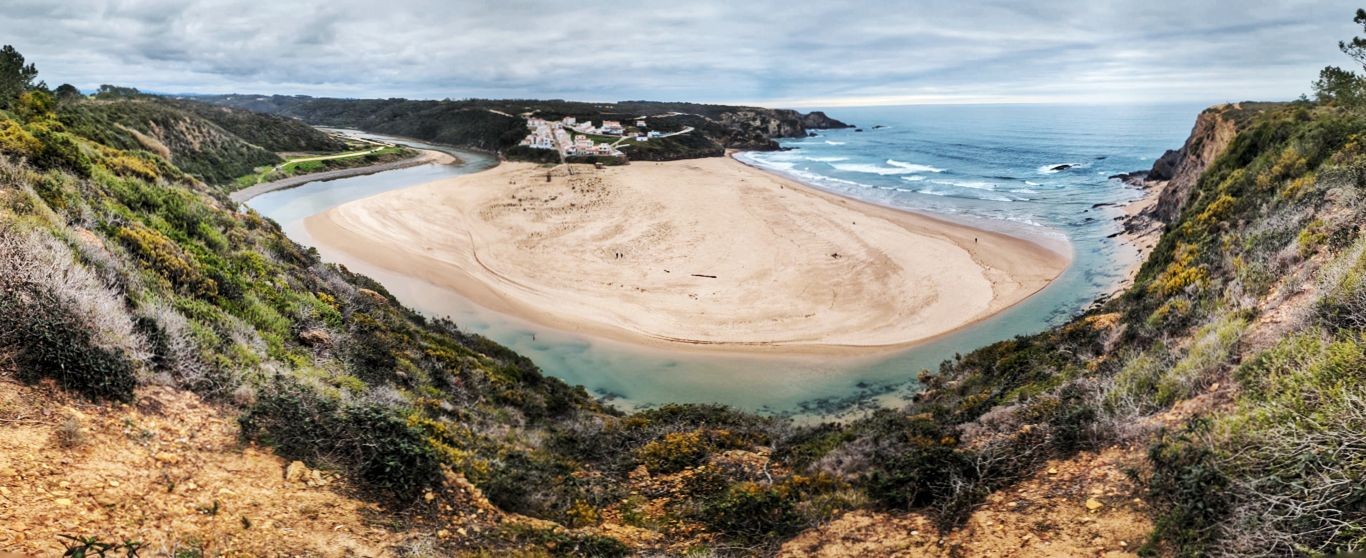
pixel 565 543
pixel 164 256
pixel 61 322
pixel 1188 485
pixel 373 442
pixel 70 433
pixel 754 512
pixel 1209 353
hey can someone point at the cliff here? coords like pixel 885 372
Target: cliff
pixel 1177 171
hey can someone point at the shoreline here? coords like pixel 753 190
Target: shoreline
pixel 1140 230
pixel 425 156
pixel 1003 269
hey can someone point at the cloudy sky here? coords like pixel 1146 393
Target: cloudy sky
pixel 793 53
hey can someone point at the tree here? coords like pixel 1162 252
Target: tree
pixel 1338 86
pixel 107 91
pixel 1356 48
pixel 67 92
pixel 1344 87
pixel 15 76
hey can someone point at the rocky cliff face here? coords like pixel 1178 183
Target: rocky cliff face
pixel 759 128
pixel 1178 171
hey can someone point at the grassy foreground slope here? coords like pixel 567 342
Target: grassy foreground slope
pixel 1231 372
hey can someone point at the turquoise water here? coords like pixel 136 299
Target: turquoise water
pixel 990 166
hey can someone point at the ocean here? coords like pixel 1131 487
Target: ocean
pixel 1036 171
pixel 1032 170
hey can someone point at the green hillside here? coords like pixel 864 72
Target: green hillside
pixel 213 144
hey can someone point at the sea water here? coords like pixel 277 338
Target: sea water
pixel 1036 171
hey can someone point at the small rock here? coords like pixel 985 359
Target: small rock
pixel 315 337
pixel 1093 504
pixel 1052 470
pixel 296 471
pixel 62 501
pixel 372 295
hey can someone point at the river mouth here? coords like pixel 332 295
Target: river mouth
pixel 810 388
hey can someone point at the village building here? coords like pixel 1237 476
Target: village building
pixel 612 127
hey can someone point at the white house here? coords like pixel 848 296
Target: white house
pixel 612 127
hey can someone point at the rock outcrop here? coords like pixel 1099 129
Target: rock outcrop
pixel 1181 169
pixel 817 120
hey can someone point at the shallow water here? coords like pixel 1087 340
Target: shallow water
pixel 986 165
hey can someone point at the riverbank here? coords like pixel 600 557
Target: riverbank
pixel 425 156
pixel 705 253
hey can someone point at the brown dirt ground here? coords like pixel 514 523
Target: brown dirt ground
pixel 1046 515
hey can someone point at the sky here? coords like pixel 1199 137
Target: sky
pixel 782 54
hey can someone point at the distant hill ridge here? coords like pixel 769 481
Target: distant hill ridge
pixel 497 125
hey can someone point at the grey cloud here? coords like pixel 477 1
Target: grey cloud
pixel 768 52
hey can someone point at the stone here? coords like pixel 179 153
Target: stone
pixel 1093 504
pixel 372 295
pixel 315 337
pixel 296 471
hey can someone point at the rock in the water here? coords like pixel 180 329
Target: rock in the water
pixel 1060 167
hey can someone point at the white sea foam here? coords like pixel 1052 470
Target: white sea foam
pixel 828 142
pixel 1032 183
pixel 976 185
pixel 871 169
pixel 826 159
pixel 1024 191
pixel 913 166
pixel 913 178
pixel 975 195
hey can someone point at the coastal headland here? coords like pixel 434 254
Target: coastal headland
pixel 704 253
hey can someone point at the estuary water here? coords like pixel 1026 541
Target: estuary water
pixel 1036 171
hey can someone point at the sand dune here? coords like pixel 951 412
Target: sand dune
pixel 702 253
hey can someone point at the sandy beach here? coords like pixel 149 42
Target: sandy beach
pixel 703 253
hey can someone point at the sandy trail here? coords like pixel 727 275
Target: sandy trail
pixel 699 253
